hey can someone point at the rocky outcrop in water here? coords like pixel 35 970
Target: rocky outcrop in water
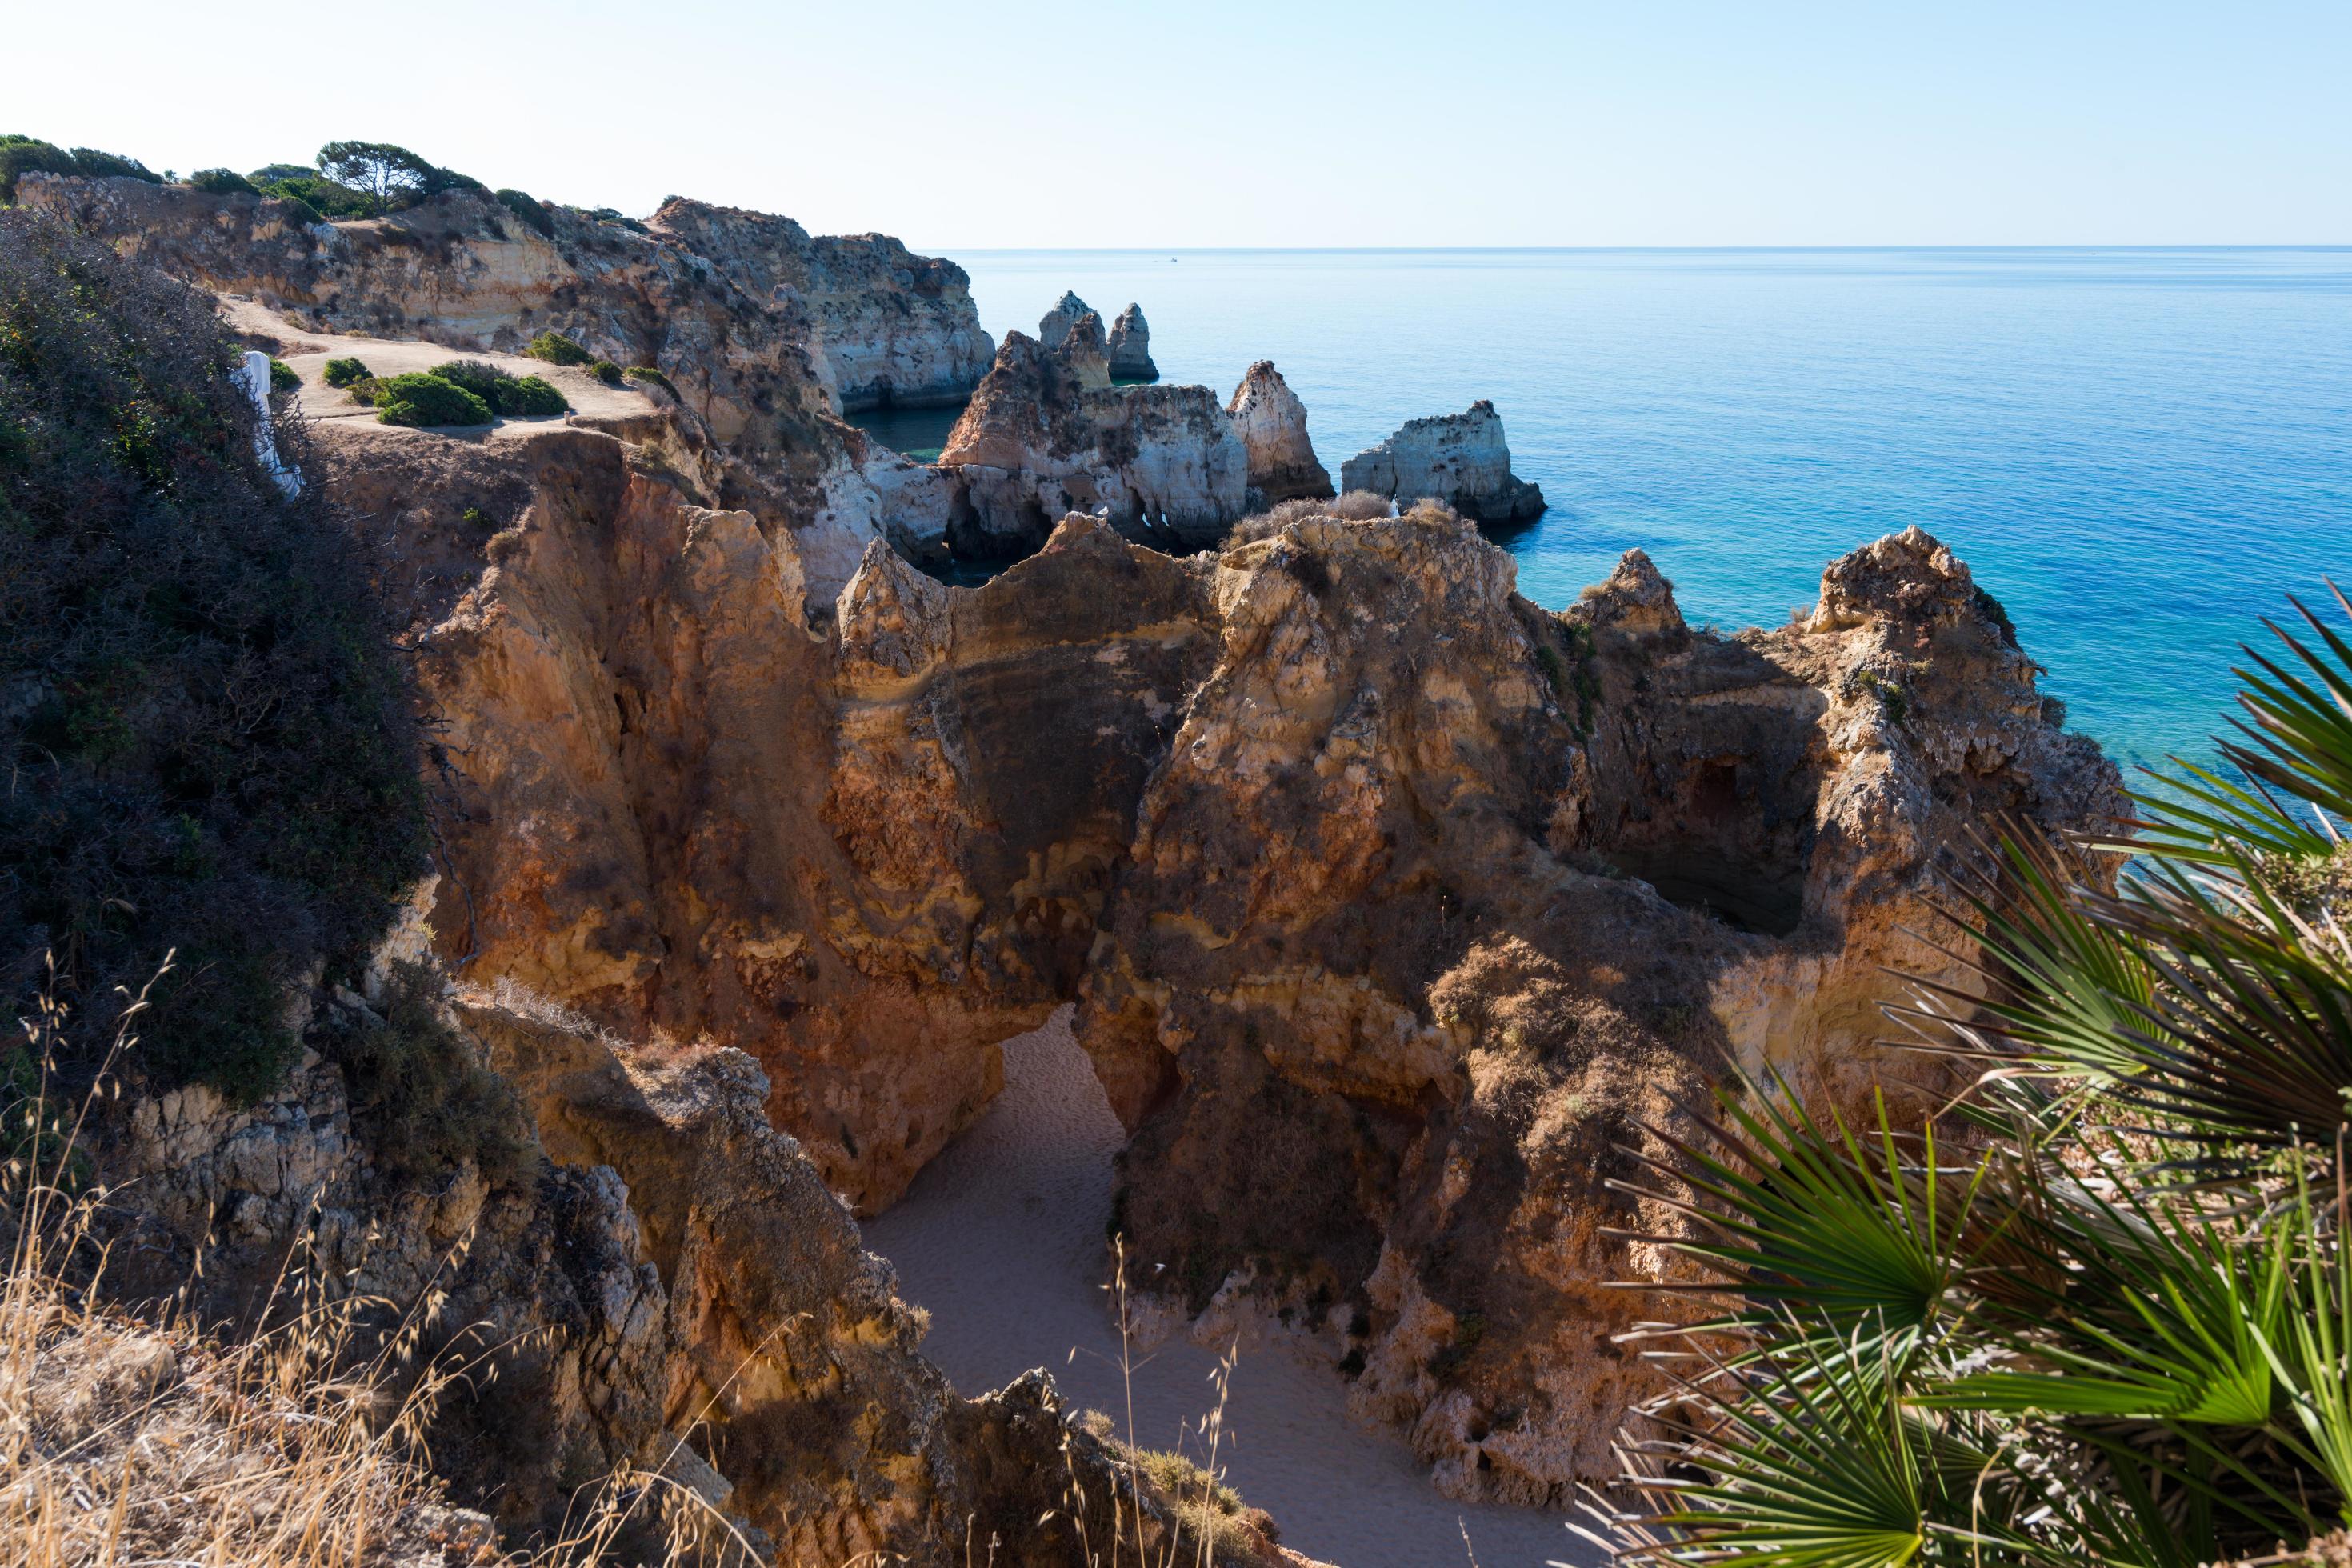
pixel 1131 347
pixel 1054 325
pixel 1460 460
pixel 1272 424
pixel 1046 435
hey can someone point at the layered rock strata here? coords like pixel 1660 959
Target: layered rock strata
pixel 1046 435
pixel 1460 460
pixel 1272 426
pixel 1131 347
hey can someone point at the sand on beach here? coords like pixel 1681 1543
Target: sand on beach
pixel 1001 1237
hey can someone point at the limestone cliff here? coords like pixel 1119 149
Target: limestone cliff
pixel 1131 347
pixel 896 327
pixel 1054 325
pixel 1046 435
pixel 1439 901
pixel 765 331
pixel 1395 905
pixel 1460 460
pixel 661 1284
pixel 1272 424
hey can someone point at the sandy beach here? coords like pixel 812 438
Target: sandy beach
pixel 1001 1238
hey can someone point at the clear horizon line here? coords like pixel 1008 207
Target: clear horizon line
pixel 1490 249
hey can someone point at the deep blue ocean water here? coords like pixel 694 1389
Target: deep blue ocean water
pixel 2140 451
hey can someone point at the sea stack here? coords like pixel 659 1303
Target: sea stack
pixel 1056 324
pixel 1272 424
pixel 1461 459
pixel 1131 347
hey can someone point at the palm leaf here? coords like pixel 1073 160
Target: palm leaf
pixel 1792 1214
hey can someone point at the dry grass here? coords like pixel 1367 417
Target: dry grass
pixel 127 1439
pixel 1210 1525
pixel 1356 506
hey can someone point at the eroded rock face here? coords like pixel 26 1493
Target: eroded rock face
pixel 897 328
pixel 1054 325
pixel 1395 905
pixel 1460 460
pixel 1381 995
pixel 1131 347
pixel 765 331
pixel 666 1284
pixel 1272 424
pixel 1046 435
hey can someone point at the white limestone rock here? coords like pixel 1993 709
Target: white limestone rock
pixel 1131 347
pixel 1461 459
pixel 1271 424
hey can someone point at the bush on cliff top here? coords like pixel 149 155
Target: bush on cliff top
pixel 556 349
pixel 344 371
pixel 207 738
pixel 508 394
pixel 30 154
pixel 528 208
pixel 422 398
pixel 222 182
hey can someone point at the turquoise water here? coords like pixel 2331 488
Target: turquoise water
pixel 2138 451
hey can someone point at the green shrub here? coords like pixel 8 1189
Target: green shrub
pixel 615 215
pixel 528 396
pixel 605 371
pixel 422 398
pixel 477 376
pixel 388 177
pixel 530 209
pixel 366 390
pixel 519 396
pixel 30 154
pixel 92 163
pixel 556 349
pixel 648 373
pixel 344 371
pixel 222 182
pixel 319 197
pixel 424 1097
pixel 207 731
pixel 282 377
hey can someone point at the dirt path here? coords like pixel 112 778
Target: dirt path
pixel 306 353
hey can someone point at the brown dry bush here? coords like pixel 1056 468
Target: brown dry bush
pixel 1356 506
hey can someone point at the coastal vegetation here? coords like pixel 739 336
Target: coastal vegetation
pixel 2097 1307
pixel 557 348
pixel 208 739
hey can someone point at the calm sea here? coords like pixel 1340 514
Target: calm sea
pixel 2140 451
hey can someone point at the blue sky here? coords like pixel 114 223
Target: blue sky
pixel 1211 123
